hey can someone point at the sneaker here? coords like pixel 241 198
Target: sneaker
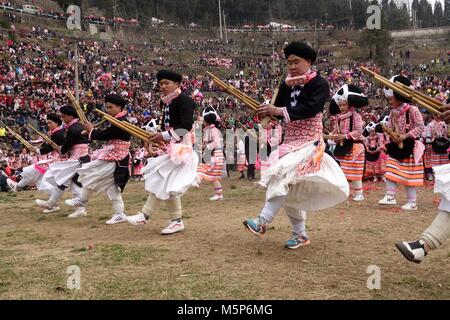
pixel 12 185
pixel 43 204
pixel 375 179
pixel 78 213
pixel 430 177
pixel 296 242
pixel 261 185
pixel 256 229
pixel 138 219
pixel 75 203
pixel 117 218
pixel 413 251
pixel 388 200
pixel 174 227
pixel 216 198
pixel 410 206
pixel 54 209
pixel 358 198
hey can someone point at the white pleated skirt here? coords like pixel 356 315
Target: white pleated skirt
pixel 316 191
pixel 166 178
pixel 442 181
pixel 97 175
pixel 60 173
pixel 31 175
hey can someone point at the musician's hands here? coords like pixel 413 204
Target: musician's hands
pixel 445 115
pixel 268 110
pixel 157 137
pixel 402 137
pixel 88 127
pixel 340 137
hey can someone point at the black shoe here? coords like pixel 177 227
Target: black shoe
pixel 412 251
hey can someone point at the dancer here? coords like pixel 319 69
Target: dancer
pixel 305 177
pixel 168 176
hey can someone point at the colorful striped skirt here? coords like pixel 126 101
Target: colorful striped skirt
pixel 439 159
pixel 353 167
pixel 405 172
pixel 212 171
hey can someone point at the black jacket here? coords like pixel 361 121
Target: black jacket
pixel 73 137
pixel 111 133
pixel 58 138
pixel 181 113
pixel 310 102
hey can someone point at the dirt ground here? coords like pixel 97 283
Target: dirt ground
pixel 215 258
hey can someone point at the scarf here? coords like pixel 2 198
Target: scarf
pixel 301 80
pixel 348 114
pixel 67 126
pixel 171 96
pixel 120 114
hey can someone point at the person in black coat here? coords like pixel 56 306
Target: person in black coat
pixel 62 175
pixel 108 172
pixel 31 175
pixel 166 180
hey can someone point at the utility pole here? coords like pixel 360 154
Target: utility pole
pixel 115 12
pixel 315 34
pixel 273 57
pixel 351 14
pixel 220 21
pixel 77 81
pixel 225 27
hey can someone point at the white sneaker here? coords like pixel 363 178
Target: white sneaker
pixel 78 213
pixel 388 200
pixel 75 203
pixel 413 251
pixel 261 185
pixel 117 218
pixel 43 204
pixel 216 197
pixel 12 185
pixel 359 198
pixel 173 227
pixel 138 219
pixel 410 206
pixel 54 209
pixel 375 179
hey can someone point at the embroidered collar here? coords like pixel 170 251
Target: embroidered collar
pixel 120 114
pixel 209 127
pixel 52 132
pixel 71 123
pixel 346 115
pixel 171 96
pixel 300 80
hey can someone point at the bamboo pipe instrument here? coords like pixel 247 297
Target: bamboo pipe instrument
pixel 46 138
pixel 250 102
pixel 407 93
pixel 24 142
pixel 82 117
pixel 131 129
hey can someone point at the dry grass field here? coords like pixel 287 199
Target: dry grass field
pixel 215 258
